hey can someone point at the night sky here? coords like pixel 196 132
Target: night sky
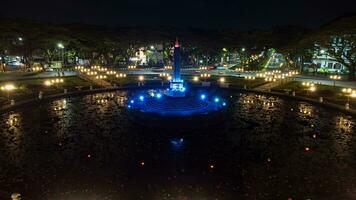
pixel 243 14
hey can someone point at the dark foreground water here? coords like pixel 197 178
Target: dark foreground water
pixel 86 148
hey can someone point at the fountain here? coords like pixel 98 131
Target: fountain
pixel 175 101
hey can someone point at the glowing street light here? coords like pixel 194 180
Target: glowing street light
pixel 335 77
pixel 312 89
pixel 53 81
pixel 349 93
pixel 121 75
pixel 47 83
pixel 205 76
pixel 101 78
pixel 8 88
pixel 250 77
pixel 195 79
pixel 222 80
pixel 60 45
pixel 141 78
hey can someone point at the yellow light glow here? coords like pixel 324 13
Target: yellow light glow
pixel 47 83
pixel 8 87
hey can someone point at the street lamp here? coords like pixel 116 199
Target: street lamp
pixel 249 78
pixel 8 88
pixel 61 47
pixel 56 81
pixel 349 93
pixel 141 78
pixel 334 78
pixel 195 79
pixel 205 75
pixel 310 86
pixel 101 77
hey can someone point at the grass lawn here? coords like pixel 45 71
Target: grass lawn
pixel 30 88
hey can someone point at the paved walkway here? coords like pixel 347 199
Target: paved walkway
pixel 322 80
pixel 325 81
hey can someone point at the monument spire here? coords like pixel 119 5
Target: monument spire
pixel 177 43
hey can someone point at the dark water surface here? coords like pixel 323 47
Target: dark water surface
pixel 266 148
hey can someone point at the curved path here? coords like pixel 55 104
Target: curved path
pixel 20 104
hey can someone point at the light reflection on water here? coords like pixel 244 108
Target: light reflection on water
pixel 268 148
pixel 12 136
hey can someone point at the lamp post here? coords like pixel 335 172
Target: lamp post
pixel 310 87
pixel 101 78
pixel 8 88
pixel 51 82
pixel 61 47
pixel 195 78
pixel 334 78
pixel 205 76
pixel 249 79
pixel 349 93
pixel 120 76
pixel 141 78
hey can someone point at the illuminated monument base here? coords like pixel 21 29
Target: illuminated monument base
pixel 156 103
pixel 176 89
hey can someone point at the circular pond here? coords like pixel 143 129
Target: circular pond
pixel 264 148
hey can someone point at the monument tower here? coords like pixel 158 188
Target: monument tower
pixel 176 86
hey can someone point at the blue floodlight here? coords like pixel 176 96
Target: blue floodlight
pixel 159 95
pixel 224 104
pixel 203 96
pixel 132 101
pixel 142 98
pixel 216 100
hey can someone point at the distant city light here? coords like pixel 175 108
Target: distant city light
pixel 203 96
pixel 132 101
pixel 159 95
pixel 142 98
pixel 216 99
